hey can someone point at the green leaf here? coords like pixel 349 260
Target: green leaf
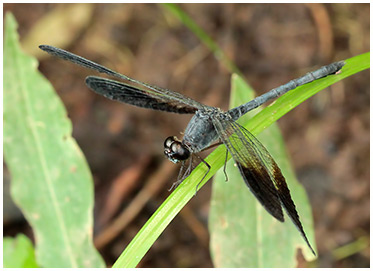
pixel 153 228
pixel 19 252
pixel 51 182
pixel 243 234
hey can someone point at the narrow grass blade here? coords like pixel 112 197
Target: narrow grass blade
pixel 203 36
pixel 153 228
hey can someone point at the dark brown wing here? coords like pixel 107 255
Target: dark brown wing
pixel 259 171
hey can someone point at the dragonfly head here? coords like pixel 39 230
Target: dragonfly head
pixel 175 150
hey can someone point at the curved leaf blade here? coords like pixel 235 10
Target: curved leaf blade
pixel 153 228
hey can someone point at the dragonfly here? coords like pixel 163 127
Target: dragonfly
pixel 209 127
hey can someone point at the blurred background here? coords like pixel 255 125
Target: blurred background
pixel 327 136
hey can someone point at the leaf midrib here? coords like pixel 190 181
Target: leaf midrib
pixel 41 158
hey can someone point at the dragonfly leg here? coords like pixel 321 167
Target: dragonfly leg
pixel 179 177
pixel 204 176
pixel 225 166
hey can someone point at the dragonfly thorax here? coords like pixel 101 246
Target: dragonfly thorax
pixel 200 132
pixel 175 150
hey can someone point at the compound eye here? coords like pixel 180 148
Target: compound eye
pixel 179 152
pixel 169 140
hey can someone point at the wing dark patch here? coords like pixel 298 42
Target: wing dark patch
pixel 287 202
pixel 260 184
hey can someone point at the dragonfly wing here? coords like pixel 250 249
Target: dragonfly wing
pixel 157 91
pixel 247 156
pixel 129 94
pixel 259 171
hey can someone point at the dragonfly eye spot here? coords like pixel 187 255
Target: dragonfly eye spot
pixel 169 140
pixel 175 150
pixel 178 151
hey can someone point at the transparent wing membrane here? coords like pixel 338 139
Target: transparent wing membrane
pixel 125 93
pixel 154 91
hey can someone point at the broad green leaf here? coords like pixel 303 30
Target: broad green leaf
pixel 243 234
pixel 153 228
pixel 51 182
pixel 19 252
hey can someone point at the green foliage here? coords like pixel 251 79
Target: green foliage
pixel 51 182
pixel 52 185
pixel 19 252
